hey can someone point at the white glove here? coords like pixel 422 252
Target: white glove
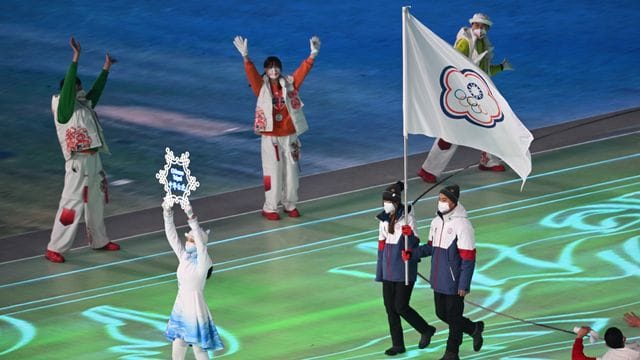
pixel 314 43
pixel 506 65
pixel 242 45
pixel 593 335
pixel 188 210
pixel 167 205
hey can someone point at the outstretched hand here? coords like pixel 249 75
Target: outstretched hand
pixel 167 205
pixel 632 319
pixel 582 331
pixel 242 45
pixel 506 65
pixel 75 45
pixel 108 61
pixel 188 210
pixel 314 44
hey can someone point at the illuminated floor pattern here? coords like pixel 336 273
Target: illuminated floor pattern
pixel 563 252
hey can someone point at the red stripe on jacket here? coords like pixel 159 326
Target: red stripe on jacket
pixel 469 255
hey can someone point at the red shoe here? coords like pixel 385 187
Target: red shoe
pixel 427 176
pixel 491 168
pixel 54 256
pixel 111 246
pixel 293 213
pixel 271 215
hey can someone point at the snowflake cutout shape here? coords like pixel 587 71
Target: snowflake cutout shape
pixel 176 178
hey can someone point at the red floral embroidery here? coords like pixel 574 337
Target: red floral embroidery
pixel 260 123
pixel 296 104
pixel 77 139
pixel 295 151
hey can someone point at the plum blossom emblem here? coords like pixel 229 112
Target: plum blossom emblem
pixel 466 95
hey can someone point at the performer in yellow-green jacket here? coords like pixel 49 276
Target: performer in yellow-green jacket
pixel 474 43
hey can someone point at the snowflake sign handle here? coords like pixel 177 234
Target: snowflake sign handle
pixel 176 178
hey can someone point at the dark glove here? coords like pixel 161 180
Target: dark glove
pixel 406 230
pixel 406 255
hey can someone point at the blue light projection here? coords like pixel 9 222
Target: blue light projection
pixel 145 343
pixel 26 333
pixel 618 216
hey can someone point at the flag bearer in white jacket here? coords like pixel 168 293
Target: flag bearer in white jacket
pixel 85 183
pixel 279 120
pixel 452 248
pixel 474 43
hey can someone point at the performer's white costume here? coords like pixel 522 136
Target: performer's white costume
pixel 85 183
pixel 191 322
pixel 280 154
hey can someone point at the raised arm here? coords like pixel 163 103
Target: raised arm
pixel 577 352
pixel 303 70
pixel 98 86
pixel 200 239
pixel 254 77
pixel 67 100
pixel 170 228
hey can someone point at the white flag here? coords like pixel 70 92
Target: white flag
pixel 447 96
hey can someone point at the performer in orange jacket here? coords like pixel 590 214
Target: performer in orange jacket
pixel 279 120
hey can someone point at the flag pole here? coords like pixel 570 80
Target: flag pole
pixel 405 14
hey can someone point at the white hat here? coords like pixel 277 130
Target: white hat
pixel 480 18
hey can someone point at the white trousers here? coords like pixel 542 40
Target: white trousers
pixel 280 155
pixel 179 351
pixel 85 190
pixel 441 153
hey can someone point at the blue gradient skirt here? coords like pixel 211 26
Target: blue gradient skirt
pixel 191 321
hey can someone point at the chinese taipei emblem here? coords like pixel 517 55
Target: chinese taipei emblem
pixel 466 95
pixel 176 178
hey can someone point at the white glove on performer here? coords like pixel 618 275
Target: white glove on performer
pixel 314 44
pixel 593 335
pixel 506 65
pixel 242 45
pixel 188 210
pixel 167 206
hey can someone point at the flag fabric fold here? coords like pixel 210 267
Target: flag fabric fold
pixel 448 97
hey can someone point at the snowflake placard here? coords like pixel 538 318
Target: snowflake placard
pixel 176 178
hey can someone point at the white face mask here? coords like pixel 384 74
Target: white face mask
pixel 389 207
pixel 480 33
pixel 273 73
pixel 190 247
pixel 443 207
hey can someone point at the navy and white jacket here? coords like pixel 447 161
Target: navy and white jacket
pixel 452 246
pixel 390 266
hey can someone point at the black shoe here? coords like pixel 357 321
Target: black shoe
pixel 425 339
pixel 394 350
pixel 450 356
pixel 477 336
